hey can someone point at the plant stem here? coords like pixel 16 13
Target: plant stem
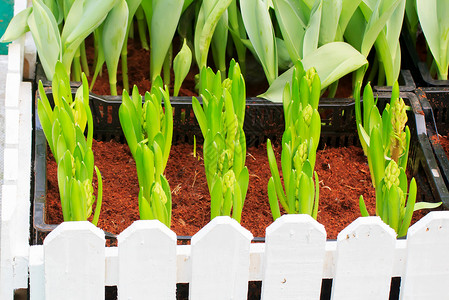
pixel 141 25
pixel 332 89
pixel 124 58
pixel 84 63
pixel 167 65
pixel 76 74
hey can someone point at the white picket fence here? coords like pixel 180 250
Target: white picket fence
pixel 74 263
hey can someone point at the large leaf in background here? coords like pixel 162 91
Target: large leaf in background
pixel 331 61
pixel 166 14
pixel 219 42
pixel 289 17
pixel 411 18
pixel 46 36
pixel 83 18
pixel 311 37
pixel 433 17
pixel 387 44
pixel 112 39
pixel 330 16
pixel 208 17
pixel 261 34
pixel 17 27
pixel 347 10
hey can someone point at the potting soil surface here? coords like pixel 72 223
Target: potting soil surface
pixel 343 177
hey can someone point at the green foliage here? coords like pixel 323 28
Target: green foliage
pixel 64 127
pixel 224 150
pixel 81 17
pixel 385 139
pixel 148 129
pixel 435 26
pixel 299 145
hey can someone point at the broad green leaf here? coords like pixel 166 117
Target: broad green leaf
pixel 208 18
pixel 311 37
pixel 331 14
pixel 83 18
pixel 17 26
pixel 426 205
pixel 113 36
pixel 163 27
pixel 435 26
pixel 261 34
pixel 292 26
pixel 331 61
pixel 45 32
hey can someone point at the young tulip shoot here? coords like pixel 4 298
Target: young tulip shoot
pixel 63 127
pixel 386 139
pixel 299 145
pixel 148 129
pixel 221 117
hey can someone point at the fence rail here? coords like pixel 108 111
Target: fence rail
pixel 73 262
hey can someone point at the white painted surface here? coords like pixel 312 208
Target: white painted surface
pixel 294 258
pixel 427 268
pixel 379 261
pixel 15 154
pixel 364 260
pixel 74 262
pixel 220 261
pixel 147 261
pixel 37 275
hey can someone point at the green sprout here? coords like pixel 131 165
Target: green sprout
pixel 224 150
pixel 299 145
pixel 386 140
pixel 64 127
pixel 148 129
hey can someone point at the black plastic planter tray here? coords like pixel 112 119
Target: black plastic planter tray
pixel 405 80
pixel 435 104
pixel 419 69
pixel 263 119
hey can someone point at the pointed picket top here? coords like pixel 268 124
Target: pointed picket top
pixel 427 265
pixel 294 258
pixel 145 225
pixel 74 228
pixel 220 261
pixel 147 261
pixel 364 260
pixel 74 257
pixel 221 223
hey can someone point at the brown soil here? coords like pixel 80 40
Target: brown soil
pixel 139 70
pixel 343 175
pixel 443 140
pixel 139 73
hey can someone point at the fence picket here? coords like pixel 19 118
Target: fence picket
pixel 364 265
pixel 427 267
pixel 147 261
pixel 220 261
pixel 294 257
pixel 74 262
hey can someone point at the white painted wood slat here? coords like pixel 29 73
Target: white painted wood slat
pixel 147 261
pixel 364 260
pixel 427 266
pixel 220 261
pixel 294 258
pixel 74 260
